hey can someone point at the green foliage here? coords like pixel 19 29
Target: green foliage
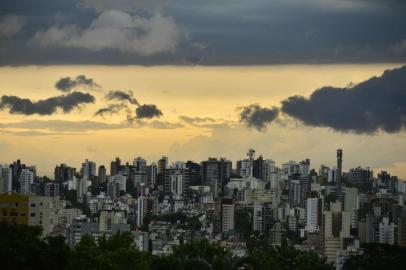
pixel 378 256
pixel 243 224
pixel 332 197
pixel 21 247
pixel 262 255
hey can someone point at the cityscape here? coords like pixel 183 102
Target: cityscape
pixel 164 204
pixel 202 135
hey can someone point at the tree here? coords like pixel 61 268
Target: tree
pixel 243 224
pixel 378 256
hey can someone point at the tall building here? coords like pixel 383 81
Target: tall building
pixel 269 168
pixel 299 188
pixel 304 167
pixel 339 172
pixel 195 173
pixel 215 174
pixel 314 214
pixel 115 166
pixel 101 175
pixel 162 166
pixel 63 173
pixel 26 179
pixel 140 211
pixel 350 198
pixel 402 228
pixel 258 168
pixel 386 232
pixel 88 169
pixel 152 174
pixel 6 178
pixel 177 179
pixel 227 215
pixel 361 178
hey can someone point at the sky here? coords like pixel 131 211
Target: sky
pixel 293 79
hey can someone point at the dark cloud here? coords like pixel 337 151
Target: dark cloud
pixel 122 96
pixel 257 116
pixel 67 103
pixel 147 111
pixel 111 109
pixel 67 84
pixel 375 104
pixel 235 32
pixel 196 120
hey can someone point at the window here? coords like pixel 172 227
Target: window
pixel 32 214
pixel 33 205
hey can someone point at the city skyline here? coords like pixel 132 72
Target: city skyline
pixel 192 125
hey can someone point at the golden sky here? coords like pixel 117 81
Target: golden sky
pixel 213 92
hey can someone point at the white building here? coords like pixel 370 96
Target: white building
pixel 386 232
pixel 25 180
pixel 313 217
pixel 269 168
pixel 140 211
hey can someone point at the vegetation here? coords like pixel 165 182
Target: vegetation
pixel 378 256
pixel 22 248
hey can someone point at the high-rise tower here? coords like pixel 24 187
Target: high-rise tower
pixel 339 170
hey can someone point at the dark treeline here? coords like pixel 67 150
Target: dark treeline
pixel 21 247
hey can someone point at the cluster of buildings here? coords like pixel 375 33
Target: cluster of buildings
pixel 164 204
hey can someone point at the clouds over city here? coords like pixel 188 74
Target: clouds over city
pixel 378 103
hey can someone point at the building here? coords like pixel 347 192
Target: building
pixel 314 214
pixel 63 173
pixel 115 166
pixel 216 173
pixel 386 232
pixel 26 179
pixel 101 175
pixel 195 173
pixel 269 168
pixel 339 172
pixel 6 178
pixel 227 215
pixel 177 179
pixel 152 175
pixel 88 169
pixel 14 208
pixel 110 217
pixel 350 198
pixel 361 178
pixel 51 189
pixel 42 213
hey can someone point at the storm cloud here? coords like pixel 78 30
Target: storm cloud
pixel 148 111
pixel 378 103
pixel 66 103
pixel 67 84
pixel 258 117
pixel 122 96
pixel 221 32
